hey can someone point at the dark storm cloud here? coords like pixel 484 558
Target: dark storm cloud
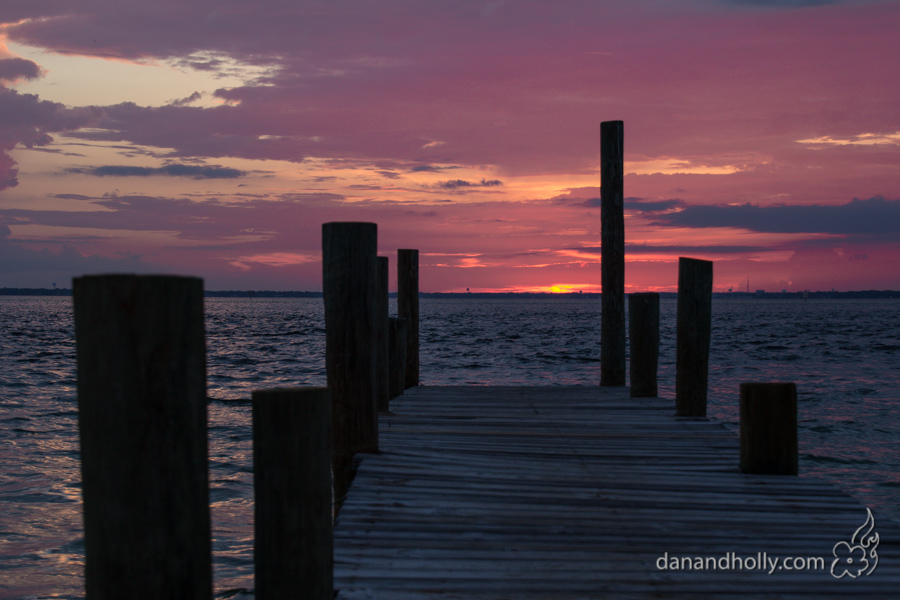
pixel 174 170
pixel 875 216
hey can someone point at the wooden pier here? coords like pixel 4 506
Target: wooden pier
pixel 487 493
pixel 577 493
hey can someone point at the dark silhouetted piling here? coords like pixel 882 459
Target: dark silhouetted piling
pixel 293 545
pixel 141 361
pixel 694 321
pixel 769 428
pixel 397 357
pixel 382 374
pixel 349 290
pixel 408 308
pixel 643 332
pixel 612 268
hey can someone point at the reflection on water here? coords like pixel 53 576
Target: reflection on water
pixel 844 356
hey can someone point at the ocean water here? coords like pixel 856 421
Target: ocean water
pixel 844 356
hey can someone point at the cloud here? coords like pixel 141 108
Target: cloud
pixel 455 184
pixel 876 216
pixel 639 204
pixel 207 221
pixel 863 139
pixel 634 204
pixel 275 259
pixel 27 120
pixel 515 92
pixel 13 69
pixel 679 250
pixel 23 267
pixel 185 101
pixel 520 86
pixel 174 170
pixel 782 3
pixel 206 64
pixel 649 206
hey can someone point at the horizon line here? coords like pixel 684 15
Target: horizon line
pixel 12 291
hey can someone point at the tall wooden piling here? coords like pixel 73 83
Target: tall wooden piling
pixel 693 323
pixel 397 358
pixel 382 375
pixel 141 364
pixel 612 240
pixel 643 333
pixel 349 290
pixel 408 308
pixel 293 542
pixel 769 428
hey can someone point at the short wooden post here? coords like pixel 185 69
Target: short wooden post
pixel 643 332
pixel 349 290
pixel 408 308
pixel 769 428
pixel 382 342
pixel 293 543
pixel 693 324
pixel 612 242
pixel 397 359
pixel 141 363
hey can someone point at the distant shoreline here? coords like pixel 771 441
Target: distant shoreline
pixel 865 294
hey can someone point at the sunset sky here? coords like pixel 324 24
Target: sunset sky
pixel 214 137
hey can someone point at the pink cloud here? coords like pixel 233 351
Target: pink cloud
pixel 514 90
pixel 521 86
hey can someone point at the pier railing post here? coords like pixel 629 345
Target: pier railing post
pixel 408 308
pixel 349 290
pixel 612 267
pixel 397 360
pixel 643 333
pixel 141 363
pixel 693 323
pixel 381 337
pixel 293 542
pixel 769 428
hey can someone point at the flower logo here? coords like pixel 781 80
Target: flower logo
pixel 858 557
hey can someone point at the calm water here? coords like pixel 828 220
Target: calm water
pixel 844 356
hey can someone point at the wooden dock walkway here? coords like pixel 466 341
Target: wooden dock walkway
pixel 577 493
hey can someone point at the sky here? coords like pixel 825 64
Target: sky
pixel 214 137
